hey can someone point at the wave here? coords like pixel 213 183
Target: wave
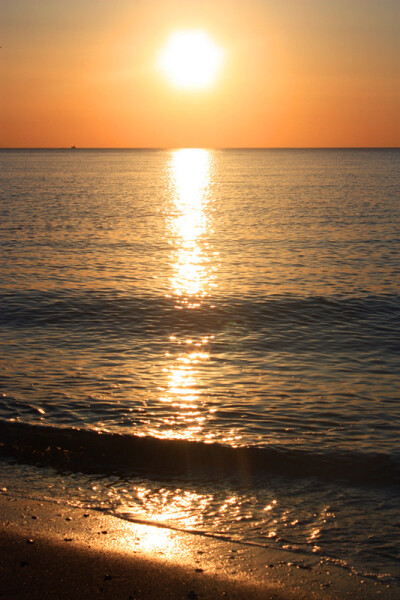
pixel 87 451
pixel 124 314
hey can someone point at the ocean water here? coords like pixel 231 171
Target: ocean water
pixel 209 340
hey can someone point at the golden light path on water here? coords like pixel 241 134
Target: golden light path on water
pixel 190 179
pixel 192 278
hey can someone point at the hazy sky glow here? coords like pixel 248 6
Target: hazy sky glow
pixel 296 73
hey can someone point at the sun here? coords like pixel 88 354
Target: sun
pixel 191 59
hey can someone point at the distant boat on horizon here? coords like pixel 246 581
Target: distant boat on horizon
pixel 73 147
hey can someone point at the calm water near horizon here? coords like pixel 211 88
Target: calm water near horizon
pixel 211 338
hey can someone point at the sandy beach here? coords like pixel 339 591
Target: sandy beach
pixel 51 550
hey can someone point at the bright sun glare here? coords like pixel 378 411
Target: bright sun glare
pixel 191 59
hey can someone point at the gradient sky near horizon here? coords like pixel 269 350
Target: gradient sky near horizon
pixel 297 73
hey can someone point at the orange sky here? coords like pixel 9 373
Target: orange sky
pixel 297 73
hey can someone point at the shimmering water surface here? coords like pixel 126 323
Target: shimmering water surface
pixel 242 306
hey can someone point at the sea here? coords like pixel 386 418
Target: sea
pixel 208 340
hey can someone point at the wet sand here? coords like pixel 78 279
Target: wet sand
pixel 50 550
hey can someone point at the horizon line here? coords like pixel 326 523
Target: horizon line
pixel 200 147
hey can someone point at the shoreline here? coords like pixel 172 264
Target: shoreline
pixel 52 550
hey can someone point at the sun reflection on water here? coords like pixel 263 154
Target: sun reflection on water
pixel 190 173
pixel 192 278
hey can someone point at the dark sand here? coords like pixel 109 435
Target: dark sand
pixel 50 550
